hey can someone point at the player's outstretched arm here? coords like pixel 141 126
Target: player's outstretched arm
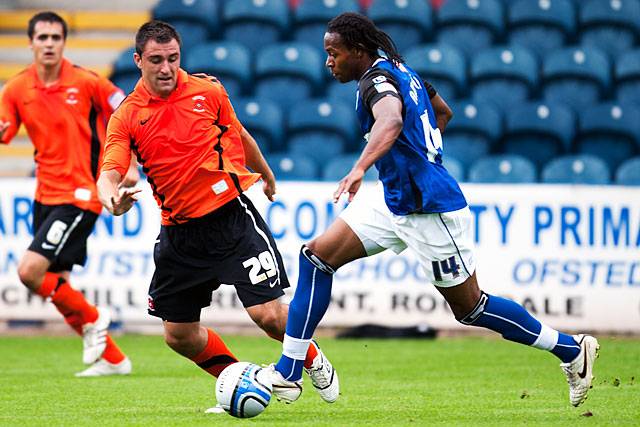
pixel 9 117
pixel 387 113
pixel 3 128
pixel 442 111
pixel 115 200
pixel 256 161
pixel 132 176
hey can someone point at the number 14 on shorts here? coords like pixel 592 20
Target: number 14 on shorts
pixel 447 266
pixel 261 267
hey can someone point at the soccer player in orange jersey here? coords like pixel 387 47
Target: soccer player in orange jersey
pixel 65 109
pixel 193 150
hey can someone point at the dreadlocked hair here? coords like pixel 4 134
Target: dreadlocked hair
pixel 359 32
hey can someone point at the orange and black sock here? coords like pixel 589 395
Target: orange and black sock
pixel 215 356
pixel 48 286
pixel 51 285
pixel 66 299
pixel 112 352
pixel 312 352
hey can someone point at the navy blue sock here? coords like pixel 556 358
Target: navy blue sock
pixel 514 323
pixel 310 302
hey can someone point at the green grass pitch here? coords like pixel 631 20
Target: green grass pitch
pixel 451 381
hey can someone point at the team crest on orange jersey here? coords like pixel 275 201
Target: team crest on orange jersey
pixel 198 105
pixel 72 96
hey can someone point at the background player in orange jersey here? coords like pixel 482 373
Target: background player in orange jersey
pixel 65 109
pixel 193 150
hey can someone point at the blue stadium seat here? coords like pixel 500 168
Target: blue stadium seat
pixel 539 131
pixel 190 34
pixel 442 65
pixel 454 167
pixel 629 172
pixel 255 23
pixel 126 82
pixel 575 76
pixel 471 25
pixel 327 121
pixel 504 75
pixel 124 63
pixel 472 131
pixel 288 72
pixel 627 77
pixel 310 18
pixel 338 167
pixel 293 167
pixel 195 20
pixel 576 169
pixel 542 25
pixel 125 74
pixel 408 22
pixel 502 168
pixel 345 92
pixel 610 25
pixel 264 120
pixel 609 131
pixel 228 61
pixel 316 148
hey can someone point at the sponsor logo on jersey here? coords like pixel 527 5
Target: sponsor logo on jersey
pixel 198 105
pixel 72 96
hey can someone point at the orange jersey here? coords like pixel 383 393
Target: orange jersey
pixel 188 145
pixel 67 124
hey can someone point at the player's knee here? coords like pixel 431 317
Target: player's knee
pixel 468 314
pixel 312 246
pixel 29 275
pixel 310 254
pixel 180 343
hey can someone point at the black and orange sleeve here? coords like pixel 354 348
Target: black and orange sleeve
pixel 227 113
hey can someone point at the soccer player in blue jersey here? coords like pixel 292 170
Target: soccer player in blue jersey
pixel 417 205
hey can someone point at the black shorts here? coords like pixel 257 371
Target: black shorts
pixel 60 234
pixel 232 245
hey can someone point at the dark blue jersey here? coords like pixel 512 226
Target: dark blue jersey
pixel 411 171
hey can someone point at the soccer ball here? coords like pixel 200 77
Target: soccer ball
pixel 242 390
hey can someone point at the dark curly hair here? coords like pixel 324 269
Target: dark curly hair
pixel 359 32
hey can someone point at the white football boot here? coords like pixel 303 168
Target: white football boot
pixel 579 372
pixel 215 410
pixel 284 390
pixel 324 378
pixel 102 368
pixel 94 337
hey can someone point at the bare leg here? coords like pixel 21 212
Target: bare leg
pixel 203 346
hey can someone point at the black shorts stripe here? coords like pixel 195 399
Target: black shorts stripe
pixel 66 235
pixel 72 248
pixel 264 236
